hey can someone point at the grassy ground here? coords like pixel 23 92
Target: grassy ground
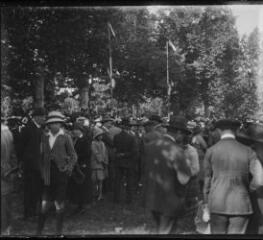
pixel 104 217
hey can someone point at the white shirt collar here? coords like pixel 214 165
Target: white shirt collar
pixel 228 135
pixel 60 132
pixel 52 138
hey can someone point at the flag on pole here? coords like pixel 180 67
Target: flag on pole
pixel 172 45
pixel 111 30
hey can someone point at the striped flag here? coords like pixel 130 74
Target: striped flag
pixel 111 30
pixel 172 45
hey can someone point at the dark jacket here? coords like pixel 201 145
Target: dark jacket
pixel 29 146
pixel 83 150
pixel 126 150
pixel 162 190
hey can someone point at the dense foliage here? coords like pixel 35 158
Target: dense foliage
pixel 49 48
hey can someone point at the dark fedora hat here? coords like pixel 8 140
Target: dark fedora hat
pixel 107 119
pixel 231 123
pixel 251 132
pixel 134 122
pixel 125 122
pixel 153 120
pixel 179 123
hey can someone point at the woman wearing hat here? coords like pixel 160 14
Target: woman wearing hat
pixel 59 158
pixel 99 162
pixel 227 167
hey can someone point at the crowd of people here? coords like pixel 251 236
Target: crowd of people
pixel 179 166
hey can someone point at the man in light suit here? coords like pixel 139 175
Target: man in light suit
pixel 227 166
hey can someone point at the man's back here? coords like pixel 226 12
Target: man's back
pixel 123 142
pixel 227 165
pixel 125 146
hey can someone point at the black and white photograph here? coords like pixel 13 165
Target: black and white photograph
pixel 132 120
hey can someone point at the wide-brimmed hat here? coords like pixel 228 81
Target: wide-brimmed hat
pixel 97 119
pixel 97 132
pixel 107 119
pixel 125 122
pixel 153 120
pixel 134 122
pixel 55 117
pixel 179 123
pixel 81 118
pixel 231 123
pixel 197 130
pixel 250 132
pixel 78 126
pixel 39 112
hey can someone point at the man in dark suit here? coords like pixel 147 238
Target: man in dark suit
pixel 251 134
pixel 166 176
pixel 125 162
pixel 30 149
pixel 227 166
pixel 110 131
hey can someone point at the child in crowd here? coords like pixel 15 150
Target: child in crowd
pixel 99 162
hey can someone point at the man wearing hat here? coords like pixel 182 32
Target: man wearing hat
pixel 125 162
pixel 166 176
pixel 30 155
pixel 110 131
pixel 227 166
pixel 154 128
pixel 80 185
pixel 251 134
pixel 59 158
pixel 200 144
pixel 134 132
pixel 182 137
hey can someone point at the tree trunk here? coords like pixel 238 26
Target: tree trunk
pixel 39 88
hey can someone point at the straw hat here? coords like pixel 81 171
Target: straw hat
pixel 55 117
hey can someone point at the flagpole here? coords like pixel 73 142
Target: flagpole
pixel 110 61
pixel 167 77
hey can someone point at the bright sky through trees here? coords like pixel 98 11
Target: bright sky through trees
pixel 247 17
